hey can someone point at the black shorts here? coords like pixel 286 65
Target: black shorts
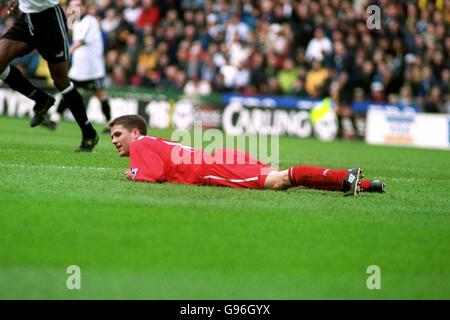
pixel 94 84
pixel 45 31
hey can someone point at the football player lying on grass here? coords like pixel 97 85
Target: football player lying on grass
pixel 155 159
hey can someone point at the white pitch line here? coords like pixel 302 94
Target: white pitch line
pixel 44 166
pixel 3 150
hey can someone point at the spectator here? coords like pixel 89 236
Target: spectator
pixel 173 20
pixel 126 62
pixel 141 78
pixel 148 15
pixel 238 52
pixel 222 40
pixel 168 77
pixel 111 21
pixel 242 76
pixel 377 92
pixel 273 87
pixel 406 97
pixel 427 82
pixel 364 77
pixel 258 76
pixel 235 29
pixel 149 55
pixel 208 69
pixel 316 79
pixel 123 30
pixel 445 83
pixel 133 48
pixel 434 100
pixel 319 46
pixel 132 11
pixel 197 87
pixel 119 77
pixel 228 72
pixel 180 80
pixel 287 76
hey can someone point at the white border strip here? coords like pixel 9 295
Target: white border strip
pixel 43 166
pixel 231 180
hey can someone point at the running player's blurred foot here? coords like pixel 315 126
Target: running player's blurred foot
pixel 40 110
pixel 350 185
pixel 49 124
pixel 88 144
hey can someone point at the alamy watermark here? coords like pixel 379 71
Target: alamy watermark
pixel 211 146
pixel 74 279
pixel 374 17
pixel 374 280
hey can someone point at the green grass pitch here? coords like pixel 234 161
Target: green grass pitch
pixel 160 241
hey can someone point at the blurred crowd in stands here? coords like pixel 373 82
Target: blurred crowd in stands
pixel 276 47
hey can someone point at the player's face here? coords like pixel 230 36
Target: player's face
pixel 122 138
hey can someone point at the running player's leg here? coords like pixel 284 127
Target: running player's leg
pixel 9 50
pixel 102 96
pixel 52 44
pixel 97 87
pixel 72 98
pixel 61 107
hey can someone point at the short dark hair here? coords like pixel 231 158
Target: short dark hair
pixel 130 122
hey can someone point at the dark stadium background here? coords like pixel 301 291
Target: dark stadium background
pixel 175 61
pixel 160 45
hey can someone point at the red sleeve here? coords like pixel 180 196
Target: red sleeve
pixel 145 164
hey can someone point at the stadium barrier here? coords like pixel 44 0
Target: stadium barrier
pixel 233 113
pixel 405 128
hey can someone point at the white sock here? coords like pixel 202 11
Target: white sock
pixel 55 117
pixel 68 89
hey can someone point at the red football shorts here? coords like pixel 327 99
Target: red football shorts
pixel 234 169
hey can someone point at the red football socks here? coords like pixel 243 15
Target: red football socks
pixel 317 178
pixel 365 184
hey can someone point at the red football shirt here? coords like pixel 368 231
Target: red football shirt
pixel 160 160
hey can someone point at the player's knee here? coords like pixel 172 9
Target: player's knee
pixel 278 184
pixel 283 184
pixel 60 76
pixel 277 181
pixel 60 82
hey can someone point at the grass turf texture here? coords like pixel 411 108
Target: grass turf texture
pixel 161 241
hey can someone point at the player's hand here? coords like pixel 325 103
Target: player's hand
pixel 12 7
pixel 128 174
